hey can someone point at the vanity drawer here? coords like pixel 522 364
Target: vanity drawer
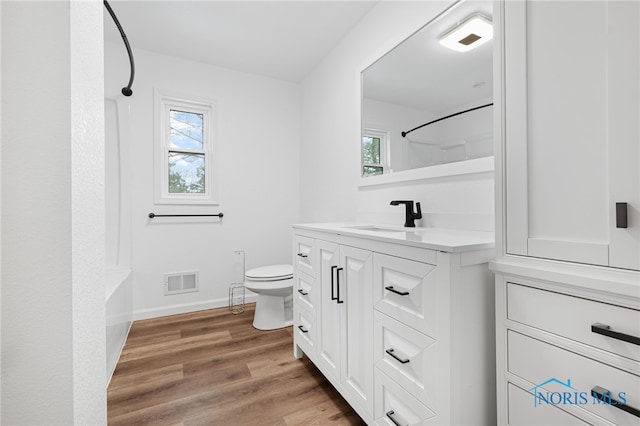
pixel 405 290
pixel 305 332
pixel 573 317
pixel 550 369
pixel 522 412
pixel 304 254
pixel 395 406
pixel 305 291
pixel 407 356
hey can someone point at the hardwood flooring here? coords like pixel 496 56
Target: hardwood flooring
pixel 213 368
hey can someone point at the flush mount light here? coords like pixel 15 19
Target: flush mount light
pixel 473 32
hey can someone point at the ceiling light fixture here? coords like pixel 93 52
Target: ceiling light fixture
pixel 473 32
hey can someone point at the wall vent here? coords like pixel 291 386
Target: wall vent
pixel 180 282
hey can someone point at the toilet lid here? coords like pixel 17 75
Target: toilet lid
pixel 271 272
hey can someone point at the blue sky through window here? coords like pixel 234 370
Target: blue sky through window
pixel 186 130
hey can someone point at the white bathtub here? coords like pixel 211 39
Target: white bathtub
pixel 119 282
pixel 119 308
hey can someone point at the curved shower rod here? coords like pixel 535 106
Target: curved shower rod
pixel 125 90
pixel 444 118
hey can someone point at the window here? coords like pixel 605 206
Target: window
pixel 374 152
pixel 184 144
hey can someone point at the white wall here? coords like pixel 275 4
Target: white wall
pixel 257 137
pixel 53 344
pixel 330 142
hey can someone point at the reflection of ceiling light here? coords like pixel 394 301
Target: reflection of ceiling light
pixel 472 33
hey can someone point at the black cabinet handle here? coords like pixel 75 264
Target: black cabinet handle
pixel 302 329
pixel 303 255
pixel 605 395
pixel 333 296
pixel 605 330
pixel 302 292
pixel 392 352
pixel 338 285
pixel 621 215
pixel 392 416
pixel 393 290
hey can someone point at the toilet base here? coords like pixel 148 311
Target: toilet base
pixel 273 312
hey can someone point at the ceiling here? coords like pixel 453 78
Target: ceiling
pixel 279 39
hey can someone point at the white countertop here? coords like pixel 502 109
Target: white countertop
pixel 442 239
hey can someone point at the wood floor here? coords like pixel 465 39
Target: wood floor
pixel 213 368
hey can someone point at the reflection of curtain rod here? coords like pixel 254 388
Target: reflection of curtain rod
pixel 444 118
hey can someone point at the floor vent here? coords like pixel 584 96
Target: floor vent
pixel 180 282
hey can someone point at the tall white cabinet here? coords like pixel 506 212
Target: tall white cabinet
pixel 400 321
pixel 571 125
pixel 568 208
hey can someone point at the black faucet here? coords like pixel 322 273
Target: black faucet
pixel 410 216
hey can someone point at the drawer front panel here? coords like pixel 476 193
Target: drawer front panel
pixel 572 317
pixel 305 291
pixel 407 356
pixel 304 329
pixel 304 255
pixel 522 412
pixel 405 290
pixel 395 405
pixel 556 371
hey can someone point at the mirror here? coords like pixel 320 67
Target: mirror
pixel 421 81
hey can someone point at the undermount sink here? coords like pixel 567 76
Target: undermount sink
pixel 376 228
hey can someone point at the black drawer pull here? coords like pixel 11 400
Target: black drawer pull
pixel 396 357
pixel 338 285
pixel 398 422
pixel 333 296
pixel 302 292
pixel 605 396
pixel 621 215
pixel 605 330
pixel 302 329
pixel 303 255
pixel 393 290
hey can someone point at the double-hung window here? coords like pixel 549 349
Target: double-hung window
pixel 185 151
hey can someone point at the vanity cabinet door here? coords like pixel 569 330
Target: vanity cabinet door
pixel 346 318
pixel 572 102
pixel 355 287
pixel 332 313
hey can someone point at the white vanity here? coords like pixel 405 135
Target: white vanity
pixel 399 320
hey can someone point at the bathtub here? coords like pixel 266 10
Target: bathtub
pixel 118 200
pixel 119 311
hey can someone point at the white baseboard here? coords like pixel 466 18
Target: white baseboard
pixel 187 307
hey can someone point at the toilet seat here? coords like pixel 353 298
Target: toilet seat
pixel 270 273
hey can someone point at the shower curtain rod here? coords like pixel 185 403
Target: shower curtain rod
pixel 444 118
pixel 125 90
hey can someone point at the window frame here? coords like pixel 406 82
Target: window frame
pixel 164 103
pixel 383 135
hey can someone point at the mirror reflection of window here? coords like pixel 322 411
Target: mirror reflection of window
pixel 374 157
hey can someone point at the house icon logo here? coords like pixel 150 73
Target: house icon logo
pixel 557 392
pixel 542 396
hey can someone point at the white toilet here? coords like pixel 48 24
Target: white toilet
pixel 274 286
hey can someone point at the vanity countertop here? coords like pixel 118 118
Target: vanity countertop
pixel 442 239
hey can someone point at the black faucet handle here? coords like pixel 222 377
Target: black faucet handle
pixel 418 213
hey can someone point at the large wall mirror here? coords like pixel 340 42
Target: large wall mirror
pixel 427 104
